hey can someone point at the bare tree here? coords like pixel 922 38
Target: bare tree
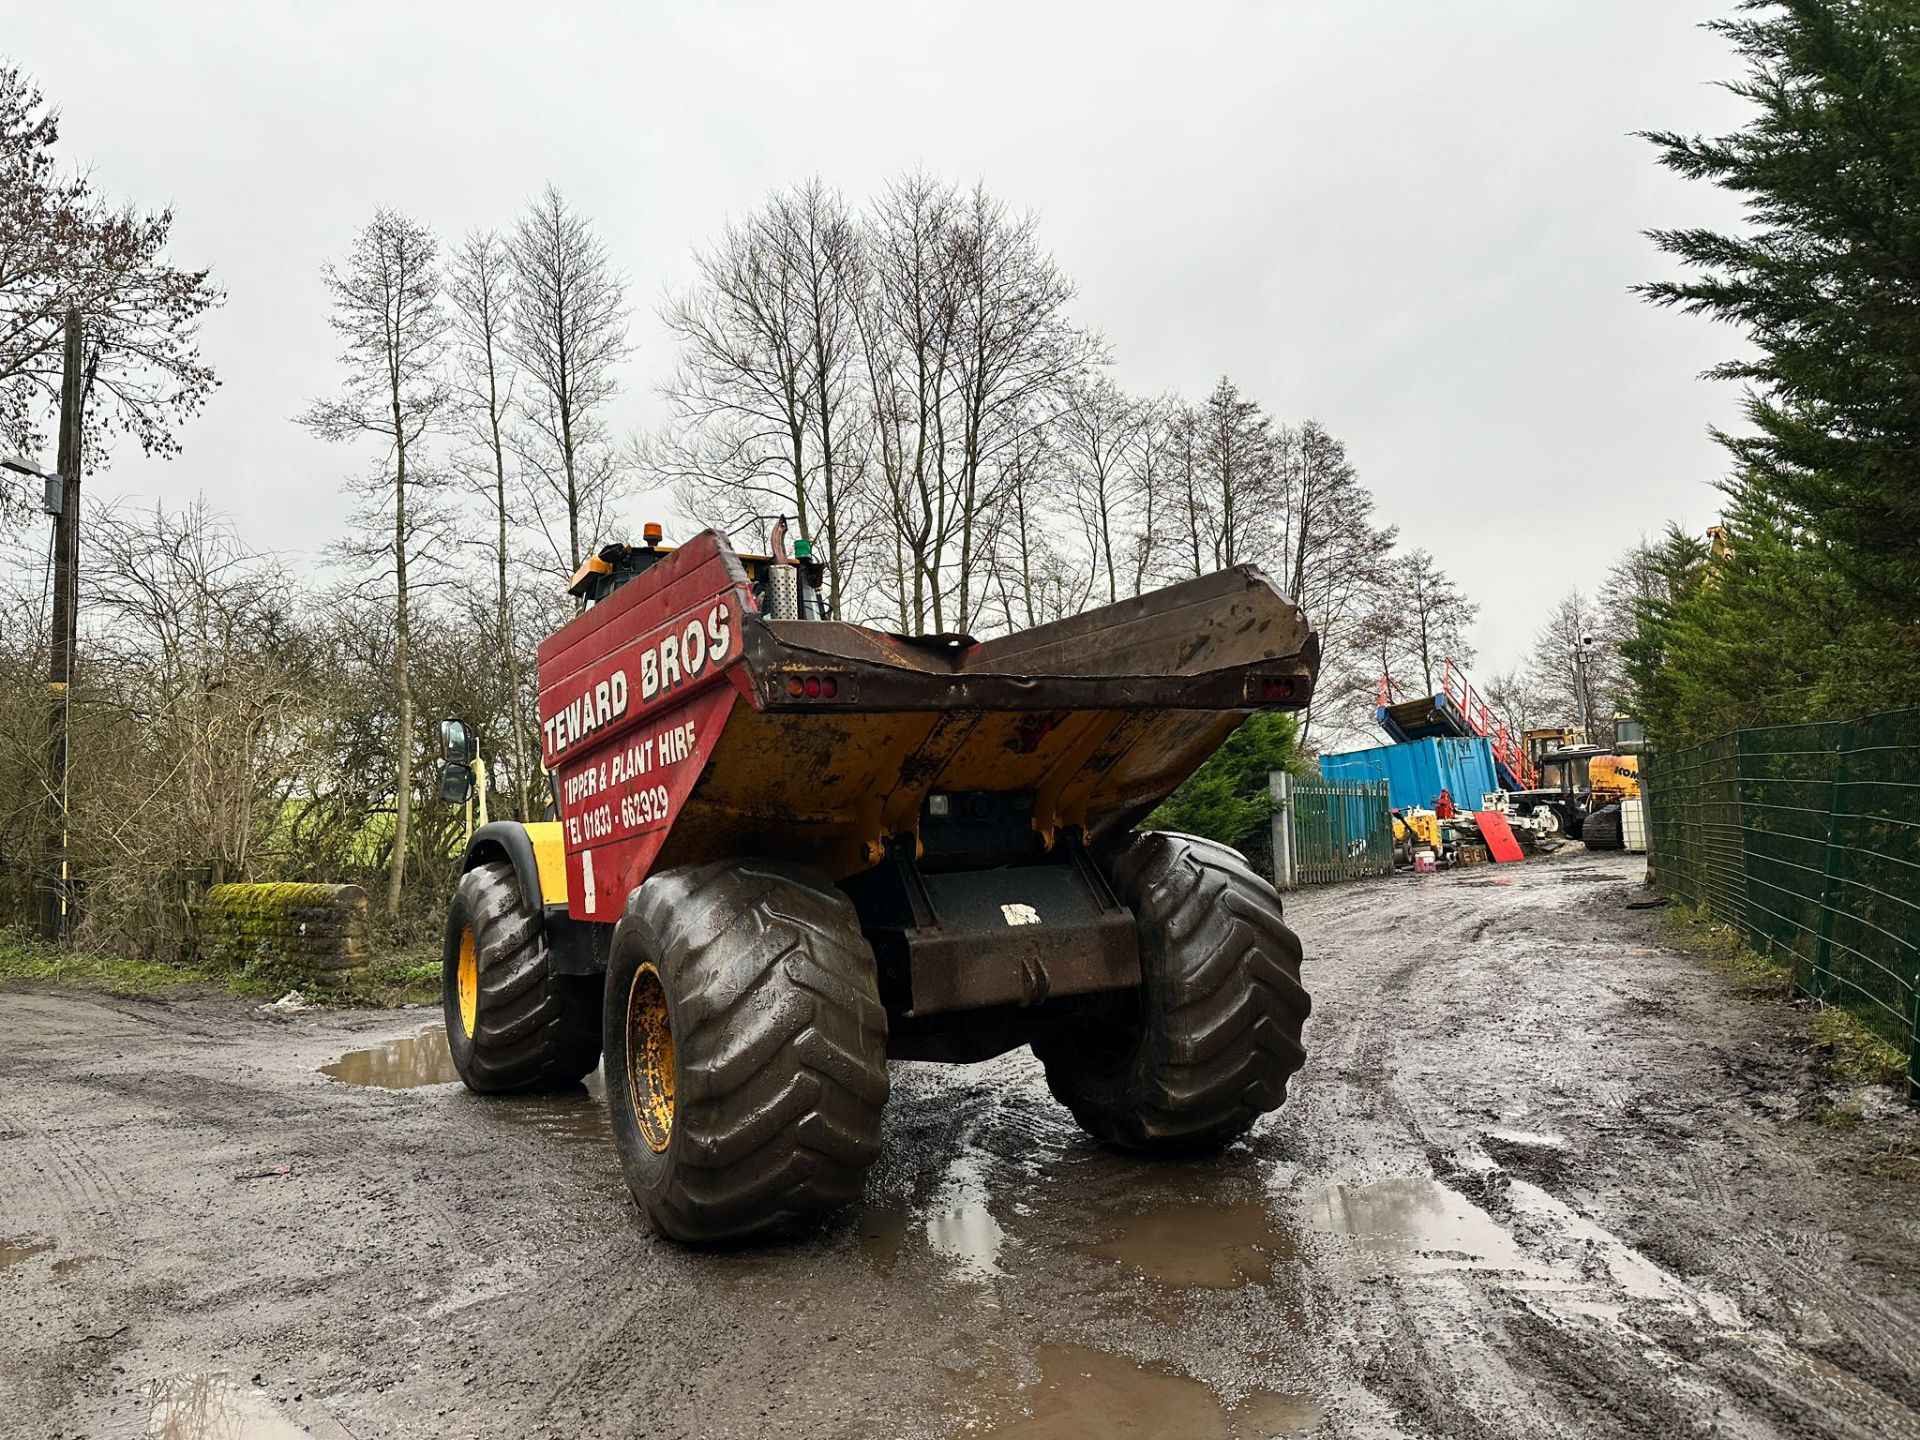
pixel 766 397
pixel 1514 699
pixel 1325 543
pixel 1014 358
pixel 1235 455
pixel 479 292
pixel 1100 432
pixel 820 242
pixel 1438 613
pixel 1039 552
pixel 1375 653
pixel 907 323
pixel 386 306
pixel 1150 460
pixel 568 332
pixel 62 246
pixel 193 685
pixel 1188 508
pixel 967 349
pixel 1562 664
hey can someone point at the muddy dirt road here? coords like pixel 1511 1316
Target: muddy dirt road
pixel 1541 1177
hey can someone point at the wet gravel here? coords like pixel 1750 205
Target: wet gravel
pixel 1541 1177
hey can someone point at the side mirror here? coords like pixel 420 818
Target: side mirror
pixel 456 782
pixel 457 745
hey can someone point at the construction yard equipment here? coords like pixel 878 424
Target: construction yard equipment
pixel 1583 785
pixel 1456 709
pixel 786 849
pixel 1416 771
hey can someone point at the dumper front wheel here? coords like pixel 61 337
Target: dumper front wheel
pixel 1208 1042
pixel 512 1023
pixel 746 1049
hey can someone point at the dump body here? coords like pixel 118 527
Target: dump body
pixel 683 726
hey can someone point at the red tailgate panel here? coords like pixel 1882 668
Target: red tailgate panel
pixel 1499 836
pixel 633 696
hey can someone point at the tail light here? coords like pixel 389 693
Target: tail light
pixel 812 687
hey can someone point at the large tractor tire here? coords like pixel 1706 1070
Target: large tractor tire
pixel 512 1023
pixel 1603 829
pixel 1209 1043
pixel 746 1049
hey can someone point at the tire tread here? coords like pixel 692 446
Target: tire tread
pixel 1223 1006
pixel 535 1029
pixel 781 1041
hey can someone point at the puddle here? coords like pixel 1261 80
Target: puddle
pixel 1630 1272
pixel 1419 1223
pixel 1219 1246
pixel 969 1237
pixel 212 1407
pixel 960 1226
pixel 12 1252
pixel 1085 1392
pixel 414 1061
pixel 403 1064
pixel 577 1115
pixel 1423 1227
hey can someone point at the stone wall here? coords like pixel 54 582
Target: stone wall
pixel 315 930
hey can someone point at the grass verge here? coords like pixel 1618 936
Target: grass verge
pixel 400 978
pixel 1720 945
pixel 1858 1054
pixel 1854 1052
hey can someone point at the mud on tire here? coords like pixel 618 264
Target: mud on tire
pixel 1215 1033
pixel 512 1024
pixel 759 1110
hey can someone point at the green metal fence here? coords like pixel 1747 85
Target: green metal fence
pixel 1806 839
pixel 1327 830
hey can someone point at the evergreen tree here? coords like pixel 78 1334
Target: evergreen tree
pixel 1228 798
pixel 1768 630
pixel 1826 284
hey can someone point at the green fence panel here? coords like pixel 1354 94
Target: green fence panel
pixel 1806 839
pixel 1333 830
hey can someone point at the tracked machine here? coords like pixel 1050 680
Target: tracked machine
pixel 787 849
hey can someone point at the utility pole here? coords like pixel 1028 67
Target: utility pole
pixel 1580 650
pixel 57 914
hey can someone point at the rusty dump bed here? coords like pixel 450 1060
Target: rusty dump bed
pixel 683 726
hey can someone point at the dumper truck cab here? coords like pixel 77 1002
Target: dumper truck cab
pixel 787 848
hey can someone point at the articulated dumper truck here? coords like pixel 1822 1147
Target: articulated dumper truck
pixel 787 849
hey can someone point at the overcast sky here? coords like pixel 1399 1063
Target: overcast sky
pixel 1415 222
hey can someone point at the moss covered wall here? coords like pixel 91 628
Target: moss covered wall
pixel 313 929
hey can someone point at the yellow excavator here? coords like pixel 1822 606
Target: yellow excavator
pixel 1581 784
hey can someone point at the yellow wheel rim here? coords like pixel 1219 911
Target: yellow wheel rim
pixel 650 1058
pixel 467 982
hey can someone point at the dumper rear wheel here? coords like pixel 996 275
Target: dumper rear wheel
pixel 1207 1044
pixel 512 1023
pixel 746 1049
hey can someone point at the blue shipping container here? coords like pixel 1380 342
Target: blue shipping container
pixel 1418 770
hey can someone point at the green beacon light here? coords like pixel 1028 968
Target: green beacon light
pixel 803 549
